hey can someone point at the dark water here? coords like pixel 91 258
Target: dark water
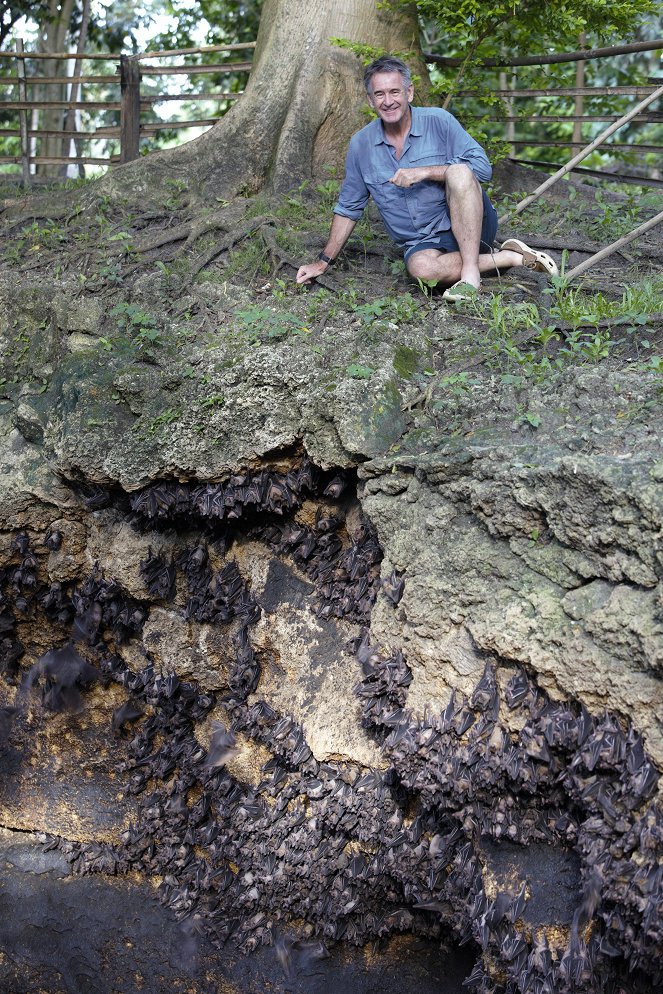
pixel 62 934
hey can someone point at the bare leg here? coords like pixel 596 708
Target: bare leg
pixel 447 267
pixel 466 212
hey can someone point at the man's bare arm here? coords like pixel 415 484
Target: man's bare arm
pixel 417 174
pixel 341 229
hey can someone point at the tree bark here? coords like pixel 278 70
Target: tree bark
pixel 53 39
pixel 303 101
pixel 71 115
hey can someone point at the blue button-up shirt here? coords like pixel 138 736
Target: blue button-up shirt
pixel 410 215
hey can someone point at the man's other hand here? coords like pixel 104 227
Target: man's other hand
pixel 311 271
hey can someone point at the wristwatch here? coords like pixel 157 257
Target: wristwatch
pixel 325 258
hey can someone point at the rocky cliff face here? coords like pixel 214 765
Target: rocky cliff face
pixel 389 657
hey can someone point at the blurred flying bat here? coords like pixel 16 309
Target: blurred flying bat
pixel 62 671
pixel 296 956
pixel 6 719
pixel 222 747
pixel 126 713
pixel 87 622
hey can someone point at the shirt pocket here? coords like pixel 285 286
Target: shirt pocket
pixel 384 193
pixel 428 193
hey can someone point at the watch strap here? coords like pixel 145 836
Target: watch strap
pixel 325 258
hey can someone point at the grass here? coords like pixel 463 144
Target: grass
pixel 578 327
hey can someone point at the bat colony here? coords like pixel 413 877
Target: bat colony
pixel 356 854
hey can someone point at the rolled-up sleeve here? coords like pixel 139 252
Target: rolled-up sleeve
pixel 354 193
pixel 463 148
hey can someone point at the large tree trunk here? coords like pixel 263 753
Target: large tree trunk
pixel 53 38
pixel 303 101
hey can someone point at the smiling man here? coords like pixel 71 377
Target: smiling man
pixel 424 172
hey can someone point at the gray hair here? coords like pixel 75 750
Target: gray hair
pixel 386 63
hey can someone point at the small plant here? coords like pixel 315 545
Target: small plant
pixel 589 347
pixel 547 334
pixel 459 384
pixel 532 419
pixel 111 272
pixel 271 323
pixel 279 289
pixel 427 286
pixel 216 400
pixel 133 318
pixel 165 418
pixel 359 372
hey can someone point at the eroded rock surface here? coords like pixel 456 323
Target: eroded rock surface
pixel 425 762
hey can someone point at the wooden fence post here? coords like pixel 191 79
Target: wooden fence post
pixel 130 110
pixel 23 115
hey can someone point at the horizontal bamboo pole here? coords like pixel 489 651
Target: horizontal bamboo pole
pixel 195 70
pixel 611 249
pixel 69 56
pixel 155 126
pixel 110 57
pixel 43 104
pixel 148 101
pixel 567 91
pixel 164 125
pixel 45 80
pixel 572 118
pixel 608 146
pixel 47 133
pixel 550 60
pixel 194 51
pixel 52 160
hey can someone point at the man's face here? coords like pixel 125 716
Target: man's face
pixel 389 97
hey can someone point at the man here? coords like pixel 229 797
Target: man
pixel 423 170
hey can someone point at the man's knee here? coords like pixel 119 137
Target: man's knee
pixel 460 177
pixel 419 265
pixel 432 265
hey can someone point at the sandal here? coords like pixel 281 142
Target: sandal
pixel 540 262
pixel 462 290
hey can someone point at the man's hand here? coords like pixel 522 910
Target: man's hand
pixel 311 271
pixel 408 177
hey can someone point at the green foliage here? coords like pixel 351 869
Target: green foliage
pixel 359 372
pixel 34 238
pixel 426 286
pixel 216 400
pixel 458 384
pixel 513 24
pixel 267 322
pixel 132 318
pixel 398 309
pixel 367 53
pixel 582 315
pixel 166 417
pixel 12 11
